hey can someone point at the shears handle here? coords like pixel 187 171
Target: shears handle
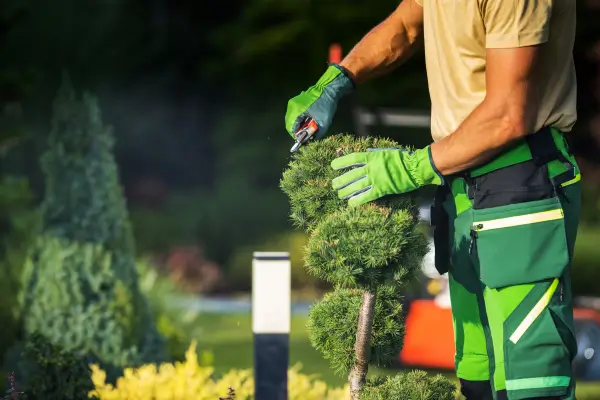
pixel 305 133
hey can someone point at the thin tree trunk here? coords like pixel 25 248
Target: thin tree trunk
pixel 362 346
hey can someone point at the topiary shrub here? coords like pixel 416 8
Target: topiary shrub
pixel 81 287
pixel 332 327
pixel 368 253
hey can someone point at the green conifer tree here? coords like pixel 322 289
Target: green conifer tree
pixel 81 287
pixel 368 253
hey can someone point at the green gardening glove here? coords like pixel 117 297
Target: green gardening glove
pixel 318 101
pixel 381 172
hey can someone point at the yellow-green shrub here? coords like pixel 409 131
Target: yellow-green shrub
pixel 191 381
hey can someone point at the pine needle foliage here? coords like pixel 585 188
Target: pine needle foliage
pixel 350 246
pixel 368 253
pixel 413 385
pixel 332 327
pixel 365 247
pixel 81 289
pixel 307 181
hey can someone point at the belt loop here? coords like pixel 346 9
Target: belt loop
pixel 543 147
pixel 436 210
pixel 568 144
pixel 470 185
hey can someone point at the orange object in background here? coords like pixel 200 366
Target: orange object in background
pixel 335 53
pixel 586 314
pixel 429 339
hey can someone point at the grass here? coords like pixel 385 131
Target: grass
pixel 229 338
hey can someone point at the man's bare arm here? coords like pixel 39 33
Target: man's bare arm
pixel 387 45
pixel 507 113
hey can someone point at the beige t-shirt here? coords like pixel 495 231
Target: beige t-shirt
pixel 457 33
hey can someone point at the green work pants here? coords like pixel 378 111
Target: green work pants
pixel 510 285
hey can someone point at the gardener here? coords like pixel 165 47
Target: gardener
pixel 503 93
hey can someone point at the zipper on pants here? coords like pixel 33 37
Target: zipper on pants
pixel 561 287
pixel 518 220
pixel 473 234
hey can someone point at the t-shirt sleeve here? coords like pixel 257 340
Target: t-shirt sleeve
pixel 516 23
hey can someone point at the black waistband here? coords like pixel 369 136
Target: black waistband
pixel 543 148
pixel 521 181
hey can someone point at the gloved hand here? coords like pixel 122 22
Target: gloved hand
pixel 381 172
pixel 318 101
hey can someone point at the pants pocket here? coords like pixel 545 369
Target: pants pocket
pixel 539 345
pixel 519 243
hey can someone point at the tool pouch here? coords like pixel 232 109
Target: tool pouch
pixel 518 234
pixel 440 220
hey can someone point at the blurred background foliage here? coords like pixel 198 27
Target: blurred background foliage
pixel 197 97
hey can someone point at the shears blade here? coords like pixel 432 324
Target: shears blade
pixel 305 133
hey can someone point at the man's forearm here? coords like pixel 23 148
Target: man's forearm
pixel 489 129
pixel 387 45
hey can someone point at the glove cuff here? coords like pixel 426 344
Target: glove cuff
pixel 345 72
pixel 336 82
pixel 424 170
pixel 436 178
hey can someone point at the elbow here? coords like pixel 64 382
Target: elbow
pixel 516 114
pixel 515 121
pixel 515 127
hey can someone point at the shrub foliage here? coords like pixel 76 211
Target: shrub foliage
pixel 368 253
pixel 19 221
pixel 332 327
pixel 54 373
pixel 81 288
pixel 191 380
pixel 307 180
pixel 413 385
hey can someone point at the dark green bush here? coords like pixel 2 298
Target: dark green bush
pixel 49 372
pixel 81 286
pixel 18 225
pixel 74 298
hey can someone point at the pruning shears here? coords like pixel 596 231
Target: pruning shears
pixel 305 133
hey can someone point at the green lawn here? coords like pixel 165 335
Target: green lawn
pixel 229 338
